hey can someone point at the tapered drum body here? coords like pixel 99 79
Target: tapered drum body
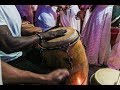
pixel 67 52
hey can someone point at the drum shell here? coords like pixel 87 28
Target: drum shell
pixel 93 81
pixel 59 59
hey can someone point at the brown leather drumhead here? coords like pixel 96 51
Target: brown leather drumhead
pixel 70 36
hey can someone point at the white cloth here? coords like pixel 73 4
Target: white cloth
pixel 96 35
pixel 69 19
pixel 46 17
pixel 9 16
pixel 1 83
pixel 114 58
pixel 34 7
pixel 87 15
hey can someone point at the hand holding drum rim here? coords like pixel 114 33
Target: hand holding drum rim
pixel 51 35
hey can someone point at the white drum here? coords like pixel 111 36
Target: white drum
pixel 105 76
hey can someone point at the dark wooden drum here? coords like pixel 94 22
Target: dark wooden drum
pixel 105 76
pixel 67 52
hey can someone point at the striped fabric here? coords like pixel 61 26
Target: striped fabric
pixel 96 35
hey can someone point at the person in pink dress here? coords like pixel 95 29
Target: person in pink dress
pixel 96 35
pixel 69 16
pixel 114 59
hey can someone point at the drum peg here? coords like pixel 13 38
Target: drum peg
pixel 69 60
pixel 71 63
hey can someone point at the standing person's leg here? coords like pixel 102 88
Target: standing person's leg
pixel 105 46
pixel 86 18
pixel 29 13
pixel 34 8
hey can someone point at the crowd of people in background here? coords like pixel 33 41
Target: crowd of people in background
pixel 93 22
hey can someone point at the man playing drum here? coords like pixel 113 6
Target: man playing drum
pixel 12 43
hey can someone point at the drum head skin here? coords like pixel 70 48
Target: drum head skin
pixel 70 36
pixel 106 76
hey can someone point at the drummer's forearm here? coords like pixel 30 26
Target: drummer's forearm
pixel 19 43
pixel 26 32
pixel 12 75
pixel 10 44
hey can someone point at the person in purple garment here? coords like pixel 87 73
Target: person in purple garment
pixel 114 59
pixel 96 35
pixel 85 14
pixel 27 12
pixel 46 17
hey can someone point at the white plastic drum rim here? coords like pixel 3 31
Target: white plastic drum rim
pixel 91 78
pixel 107 76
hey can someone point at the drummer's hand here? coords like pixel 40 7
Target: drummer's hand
pixel 57 76
pixel 25 22
pixel 51 34
pixel 35 30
